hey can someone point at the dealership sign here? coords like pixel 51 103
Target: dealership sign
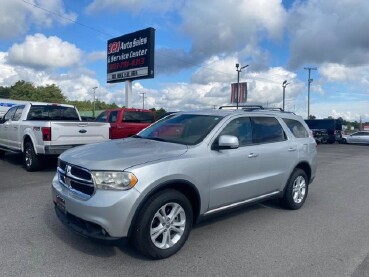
pixel 131 56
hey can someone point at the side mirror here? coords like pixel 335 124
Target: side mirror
pixel 228 142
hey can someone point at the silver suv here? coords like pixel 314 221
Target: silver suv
pixel 154 186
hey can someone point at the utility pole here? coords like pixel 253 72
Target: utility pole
pixel 93 108
pixel 309 82
pixel 238 80
pixel 143 99
pixel 284 85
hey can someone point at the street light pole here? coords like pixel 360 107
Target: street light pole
pixel 284 85
pixel 93 108
pixel 143 99
pixel 238 69
pixel 309 82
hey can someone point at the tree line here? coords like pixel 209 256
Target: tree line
pixel 27 91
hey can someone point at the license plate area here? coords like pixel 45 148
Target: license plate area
pixel 60 203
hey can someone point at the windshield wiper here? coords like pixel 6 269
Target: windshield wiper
pixel 136 136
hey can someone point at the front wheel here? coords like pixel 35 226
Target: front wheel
pixel 296 190
pixel 163 225
pixel 30 159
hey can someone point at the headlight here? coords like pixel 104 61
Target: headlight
pixel 114 180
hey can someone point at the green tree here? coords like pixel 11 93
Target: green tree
pixel 4 92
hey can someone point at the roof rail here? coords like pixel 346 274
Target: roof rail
pixel 243 107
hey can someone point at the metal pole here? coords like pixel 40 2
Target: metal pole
pixel 309 82
pixel 238 80
pixel 93 108
pixel 143 99
pixel 238 86
pixel 284 85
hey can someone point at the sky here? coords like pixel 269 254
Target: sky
pixel 197 46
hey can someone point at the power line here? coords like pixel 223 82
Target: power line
pixel 208 66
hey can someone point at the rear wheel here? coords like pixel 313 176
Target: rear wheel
pixel 30 159
pixel 163 225
pixel 296 190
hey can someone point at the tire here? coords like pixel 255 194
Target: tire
pixel 2 154
pixel 157 236
pixel 343 141
pixel 296 191
pixel 31 160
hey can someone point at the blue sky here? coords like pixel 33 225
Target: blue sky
pixel 197 46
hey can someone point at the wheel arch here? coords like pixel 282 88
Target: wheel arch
pixel 27 138
pixel 303 166
pixel 183 186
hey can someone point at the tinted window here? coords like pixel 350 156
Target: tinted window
pixel 102 117
pixel 266 130
pixel 113 116
pixel 296 128
pixel 186 129
pixel 52 112
pixel 138 117
pixel 241 128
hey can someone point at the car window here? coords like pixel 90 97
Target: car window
pixel 138 117
pixel 102 117
pixel 52 112
pixel 18 113
pixel 266 130
pixel 113 116
pixel 9 114
pixel 241 128
pixel 188 129
pixel 296 128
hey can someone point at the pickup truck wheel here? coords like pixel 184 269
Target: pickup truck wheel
pixel 163 225
pixel 296 190
pixel 30 158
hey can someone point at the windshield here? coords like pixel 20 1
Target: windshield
pixel 189 129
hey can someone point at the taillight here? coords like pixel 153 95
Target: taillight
pixel 46 133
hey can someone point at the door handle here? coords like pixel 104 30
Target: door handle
pixel 252 155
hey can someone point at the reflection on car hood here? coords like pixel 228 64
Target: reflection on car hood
pixel 121 154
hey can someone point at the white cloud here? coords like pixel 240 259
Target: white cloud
pixel 329 31
pixel 16 17
pixel 39 51
pixel 132 5
pixel 226 26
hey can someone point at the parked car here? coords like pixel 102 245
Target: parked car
pixel 44 129
pixel 361 137
pixel 126 122
pixel 154 186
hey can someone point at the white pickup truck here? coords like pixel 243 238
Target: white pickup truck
pixel 40 129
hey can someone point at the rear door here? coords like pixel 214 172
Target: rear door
pixel 6 126
pixel 13 134
pixel 277 154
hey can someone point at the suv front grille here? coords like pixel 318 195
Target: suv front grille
pixel 77 179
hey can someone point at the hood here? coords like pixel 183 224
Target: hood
pixel 121 154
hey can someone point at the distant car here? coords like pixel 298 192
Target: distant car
pixel 361 137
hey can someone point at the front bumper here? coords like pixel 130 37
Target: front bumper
pixel 106 215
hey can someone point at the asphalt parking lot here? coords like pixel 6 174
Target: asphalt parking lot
pixel 329 236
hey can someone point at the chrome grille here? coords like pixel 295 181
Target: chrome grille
pixel 77 179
